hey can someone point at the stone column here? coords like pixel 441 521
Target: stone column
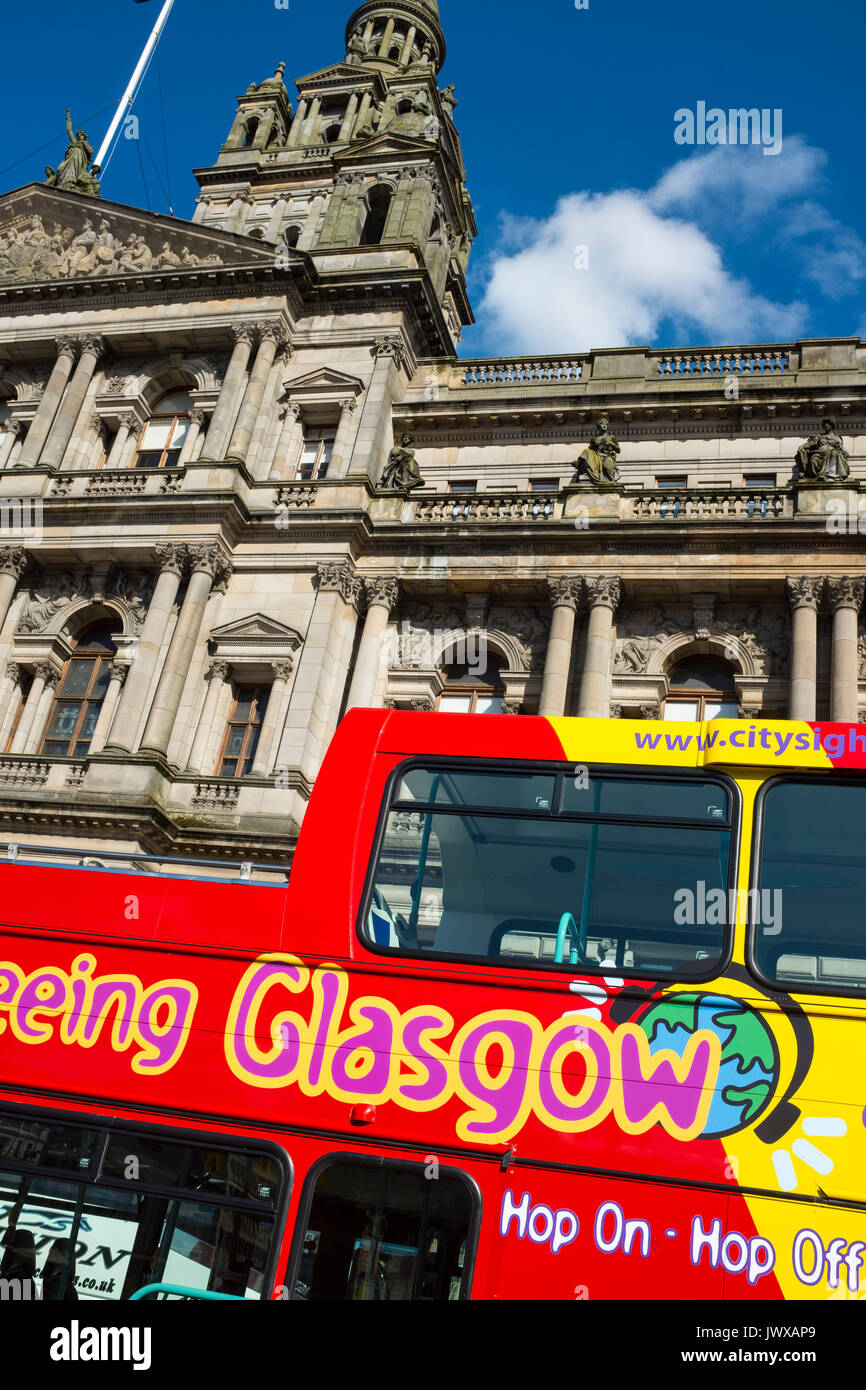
pixel 35 712
pixel 125 426
pixel 226 406
pixel 366 103
pixel 322 670
pixel 342 452
pixel 349 120
pixel 289 443
pixel 846 600
pixel 13 562
pixel 10 699
pixel 216 675
pixel 373 439
pixel 272 337
pixel 51 397
pixel 12 430
pixel 382 595
pixel 298 123
pixel 804 595
pixel 310 123
pixel 208 563
pixel 565 596
pixel 386 39
pixel 407 47
pixel 119 671
pixel 132 701
pixel 196 420
pixel 70 407
pixel 270 728
pixel 604 596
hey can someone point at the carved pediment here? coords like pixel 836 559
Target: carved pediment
pixel 257 628
pixel 323 381
pixel 48 235
pixel 390 142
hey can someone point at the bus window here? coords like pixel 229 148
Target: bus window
pixel 807 924
pixel 609 873
pixel 146 1211
pixel 380 1231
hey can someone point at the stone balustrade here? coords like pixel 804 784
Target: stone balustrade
pixel 447 508
pixel 722 362
pixel 708 504
pixel 519 371
pixel 124 482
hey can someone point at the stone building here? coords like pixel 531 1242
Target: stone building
pixel 246 483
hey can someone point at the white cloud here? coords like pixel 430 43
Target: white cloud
pixel 644 268
pixel 656 257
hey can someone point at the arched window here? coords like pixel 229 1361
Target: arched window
pixel 163 436
pixel 250 130
pixel 243 730
pixel 80 694
pixel 378 201
pixel 700 689
pixel 291 237
pixel 332 134
pixel 470 689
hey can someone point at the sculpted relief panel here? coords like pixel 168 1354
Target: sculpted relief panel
pixel 762 632
pixel 30 251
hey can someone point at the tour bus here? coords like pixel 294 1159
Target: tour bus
pixel 548 1009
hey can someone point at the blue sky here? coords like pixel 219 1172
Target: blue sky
pixel 567 119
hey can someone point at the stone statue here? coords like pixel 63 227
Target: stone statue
pixel 357 50
pixel 401 472
pixel 823 457
pixel 74 172
pixel 449 98
pixel 598 463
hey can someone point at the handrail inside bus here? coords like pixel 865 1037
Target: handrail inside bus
pixel 568 927
pixel 16 852
pixel 153 1289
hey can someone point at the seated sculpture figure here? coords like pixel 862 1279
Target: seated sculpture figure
pixel 401 473
pixel 823 457
pixel 598 462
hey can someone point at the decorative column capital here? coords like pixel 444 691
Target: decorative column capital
pixel 128 420
pixel 349 406
pixel 94 424
pixel 13 560
pixel 118 671
pixel 66 345
pixel 93 342
pixel 209 559
pixel 336 578
pixel 804 591
pixel 565 593
pixel 272 329
pixel 382 592
pixel 46 671
pixel 390 346
pixel 245 333
pixel 845 593
pixel 605 591
pixel 14 671
pixel 283 669
pixel 217 670
pixel 197 415
pixel 650 711
pixel 511 706
pixel 616 711
pixel 13 426
pixel 170 558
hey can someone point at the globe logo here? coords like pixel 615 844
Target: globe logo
pixel 749 1069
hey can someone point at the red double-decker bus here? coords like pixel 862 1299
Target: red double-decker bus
pixel 549 1009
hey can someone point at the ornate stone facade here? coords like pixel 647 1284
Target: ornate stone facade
pixel 353 515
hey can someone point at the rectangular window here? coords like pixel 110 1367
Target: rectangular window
pixel 808 928
pixel 678 480
pixel 243 731
pixel 386 1233
pixel 467 485
pixel 549 870
pixel 759 479
pixel 316 455
pixel 87 1213
pixel 544 485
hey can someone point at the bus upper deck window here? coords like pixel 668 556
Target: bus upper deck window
pixel 549 870
pixel 806 910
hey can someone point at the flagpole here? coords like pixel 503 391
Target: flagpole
pixel 129 94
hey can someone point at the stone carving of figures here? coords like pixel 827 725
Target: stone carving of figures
pixel 136 255
pixel 55 595
pixel 81 254
pixel 823 456
pixel 598 462
pixel 166 257
pixel 633 655
pixel 73 172
pixel 401 472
